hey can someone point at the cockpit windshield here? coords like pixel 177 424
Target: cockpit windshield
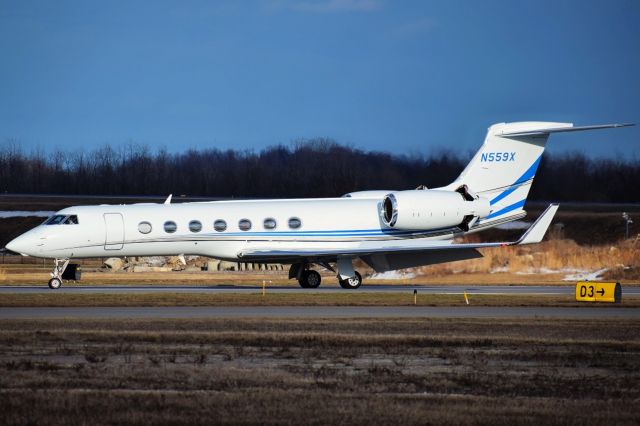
pixel 61 219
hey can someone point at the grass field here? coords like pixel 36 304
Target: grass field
pixel 295 299
pixel 366 371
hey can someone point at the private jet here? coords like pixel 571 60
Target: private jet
pixel 386 229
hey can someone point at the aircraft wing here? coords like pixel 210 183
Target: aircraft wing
pixel 531 236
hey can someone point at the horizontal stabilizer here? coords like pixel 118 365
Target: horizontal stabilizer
pixel 547 131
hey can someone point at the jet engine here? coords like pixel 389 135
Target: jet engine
pixel 433 209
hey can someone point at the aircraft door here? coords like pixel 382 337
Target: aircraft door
pixel 114 236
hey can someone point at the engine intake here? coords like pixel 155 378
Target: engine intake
pixel 390 206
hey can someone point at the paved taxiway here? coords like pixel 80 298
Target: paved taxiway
pixel 318 312
pixel 560 290
pixel 315 311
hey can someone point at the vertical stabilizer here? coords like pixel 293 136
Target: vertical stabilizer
pixel 504 167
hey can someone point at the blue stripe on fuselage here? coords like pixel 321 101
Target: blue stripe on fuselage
pixel 331 233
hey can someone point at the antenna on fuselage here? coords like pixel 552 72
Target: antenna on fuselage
pixel 168 200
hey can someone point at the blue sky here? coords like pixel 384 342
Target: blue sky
pixel 398 76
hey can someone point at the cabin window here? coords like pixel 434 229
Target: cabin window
pixel 244 224
pixel 61 219
pixel 269 223
pixel 170 227
pixel 71 220
pixel 144 227
pixel 55 220
pixel 195 226
pixel 295 223
pixel 220 225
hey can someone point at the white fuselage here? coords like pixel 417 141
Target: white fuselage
pixel 387 230
pixel 116 230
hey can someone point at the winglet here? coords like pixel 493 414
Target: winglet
pixel 536 232
pixel 168 200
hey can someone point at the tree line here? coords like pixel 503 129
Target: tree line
pixel 309 168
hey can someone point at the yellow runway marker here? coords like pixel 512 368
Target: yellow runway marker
pixel 264 286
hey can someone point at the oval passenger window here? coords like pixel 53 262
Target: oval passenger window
pixel 269 223
pixel 220 225
pixel 244 224
pixel 195 226
pixel 170 227
pixel 294 223
pixel 144 227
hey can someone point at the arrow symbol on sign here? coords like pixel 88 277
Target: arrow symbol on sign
pixel 600 292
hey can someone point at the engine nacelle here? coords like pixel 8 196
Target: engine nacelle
pixel 432 209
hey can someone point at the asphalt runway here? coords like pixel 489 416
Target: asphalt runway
pixel 311 312
pixel 560 290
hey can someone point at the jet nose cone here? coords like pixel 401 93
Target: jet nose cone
pixel 18 245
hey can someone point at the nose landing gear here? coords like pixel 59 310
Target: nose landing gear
pixel 55 283
pixel 56 276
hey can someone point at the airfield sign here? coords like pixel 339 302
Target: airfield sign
pixel 589 291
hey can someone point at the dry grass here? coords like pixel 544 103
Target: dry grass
pixel 367 371
pixel 283 299
pixel 553 255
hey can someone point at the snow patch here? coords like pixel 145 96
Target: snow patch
pixel 585 275
pixel 392 275
pixel 532 271
pixel 571 274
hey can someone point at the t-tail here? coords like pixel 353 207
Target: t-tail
pixel 503 170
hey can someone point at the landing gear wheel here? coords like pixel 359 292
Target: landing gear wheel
pixel 55 283
pixel 60 265
pixel 351 283
pixel 310 279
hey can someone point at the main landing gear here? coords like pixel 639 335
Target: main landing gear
pixel 63 270
pixel 351 283
pixel 308 278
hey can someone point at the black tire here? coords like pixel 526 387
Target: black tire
pixel 55 283
pixel 310 279
pixel 351 283
pixel 302 282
